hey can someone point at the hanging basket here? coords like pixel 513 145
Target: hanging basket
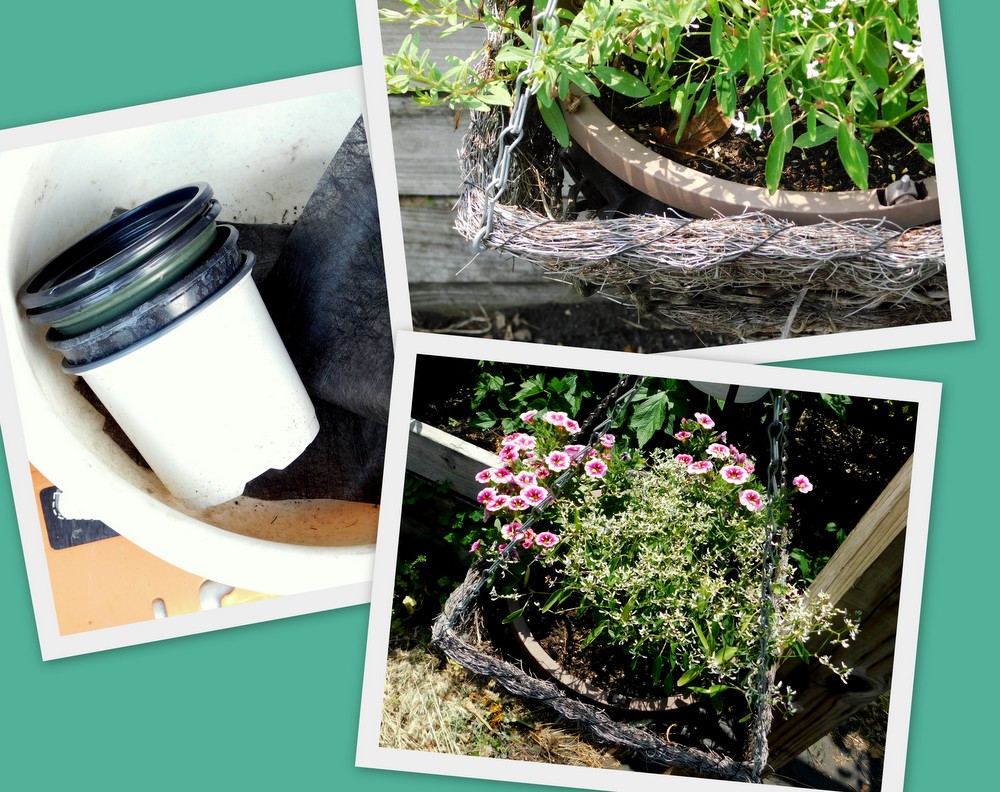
pixel 750 276
pixel 460 632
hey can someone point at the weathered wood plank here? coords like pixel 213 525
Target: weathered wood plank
pixel 460 44
pixel 425 145
pixel 863 576
pixel 438 456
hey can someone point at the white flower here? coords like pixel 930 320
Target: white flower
pixel 741 126
pixel 913 51
pixel 812 69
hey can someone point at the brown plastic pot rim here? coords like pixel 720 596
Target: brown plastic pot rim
pixel 700 194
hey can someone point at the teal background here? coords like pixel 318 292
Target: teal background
pixel 275 705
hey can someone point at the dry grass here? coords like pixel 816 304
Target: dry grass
pixel 432 704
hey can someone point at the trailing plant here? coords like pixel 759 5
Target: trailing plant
pixel 797 73
pixel 661 553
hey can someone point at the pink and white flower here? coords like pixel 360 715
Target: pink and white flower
pixel 704 421
pixel 555 418
pixel 752 500
pixel 528 539
pixel 573 450
pixel 546 539
pixel 518 503
pixel 501 475
pixel 497 503
pixel 596 468
pixel 700 467
pixel 608 440
pixel 683 435
pixel 557 460
pixel 475 546
pixel 684 459
pixel 529 416
pixel 802 484
pixel 525 479
pixel 485 476
pixel 734 474
pixel 508 454
pixel 486 495
pixel 571 426
pixel 511 531
pixel 534 495
pixel 717 450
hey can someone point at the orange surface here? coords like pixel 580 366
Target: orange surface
pixel 113 582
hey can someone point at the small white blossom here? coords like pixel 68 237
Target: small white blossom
pixel 812 70
pixel 740 125
pixel 913 51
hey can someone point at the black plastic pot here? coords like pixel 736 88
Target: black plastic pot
pixel 222 264
pixel 114 248
pixel 126 292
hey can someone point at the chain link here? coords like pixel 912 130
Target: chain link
pixel 512 134
pixel 777 471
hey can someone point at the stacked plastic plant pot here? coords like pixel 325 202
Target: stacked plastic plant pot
pixel 158 312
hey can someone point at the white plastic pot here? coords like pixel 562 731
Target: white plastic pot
pixel 263 150
pixel 212 400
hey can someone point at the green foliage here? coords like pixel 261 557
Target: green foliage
pixel 847 68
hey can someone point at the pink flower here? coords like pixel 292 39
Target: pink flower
pixel 501 475
pixel 556 418
pixel 573 450
pixel 596 468
pixel 524 479
pixel 734 474
pixel 518 503
pixel 508 454
pixel 475 546
pixel 528 540
pixel 608 440
pixel 529 416
pixel 748 465
pixel 546 539
pixel 802 484
pixel 510 531
pixel 702 466
pixel 716 450
pixel 684 459
pixel 542 473
pixel 571 426
pixel 484 476
pixel 752 500
pixel 534 495
pixel 683 435
pixel 486 495
pixel 704 421
pixel 498 503
pixel 557 460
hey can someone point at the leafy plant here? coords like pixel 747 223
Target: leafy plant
pixel 809 71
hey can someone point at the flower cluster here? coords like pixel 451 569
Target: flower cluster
pixel 528 463
pixel 720 465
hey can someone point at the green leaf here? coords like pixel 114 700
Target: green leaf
pixel 594 634
pixel 926 151
pixel 755 56
pixel 715 36
pixel 853 155
pixel 781 114
pixel 898 87
pixel 689 675
pixel 554 120
pixel 620 81
pixel 648 417
pixel 513 615
pixel 774 164
pixel 817 137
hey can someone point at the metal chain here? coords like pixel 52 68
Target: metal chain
pixel 614 414
pixel 512 134
pixel 777 472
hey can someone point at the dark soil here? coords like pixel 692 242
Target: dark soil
pixel 740 158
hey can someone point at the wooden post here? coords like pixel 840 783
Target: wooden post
pixel 439 456
pixel 863 576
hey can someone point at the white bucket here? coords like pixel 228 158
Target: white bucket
pixel 212 400
pixel 263 150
